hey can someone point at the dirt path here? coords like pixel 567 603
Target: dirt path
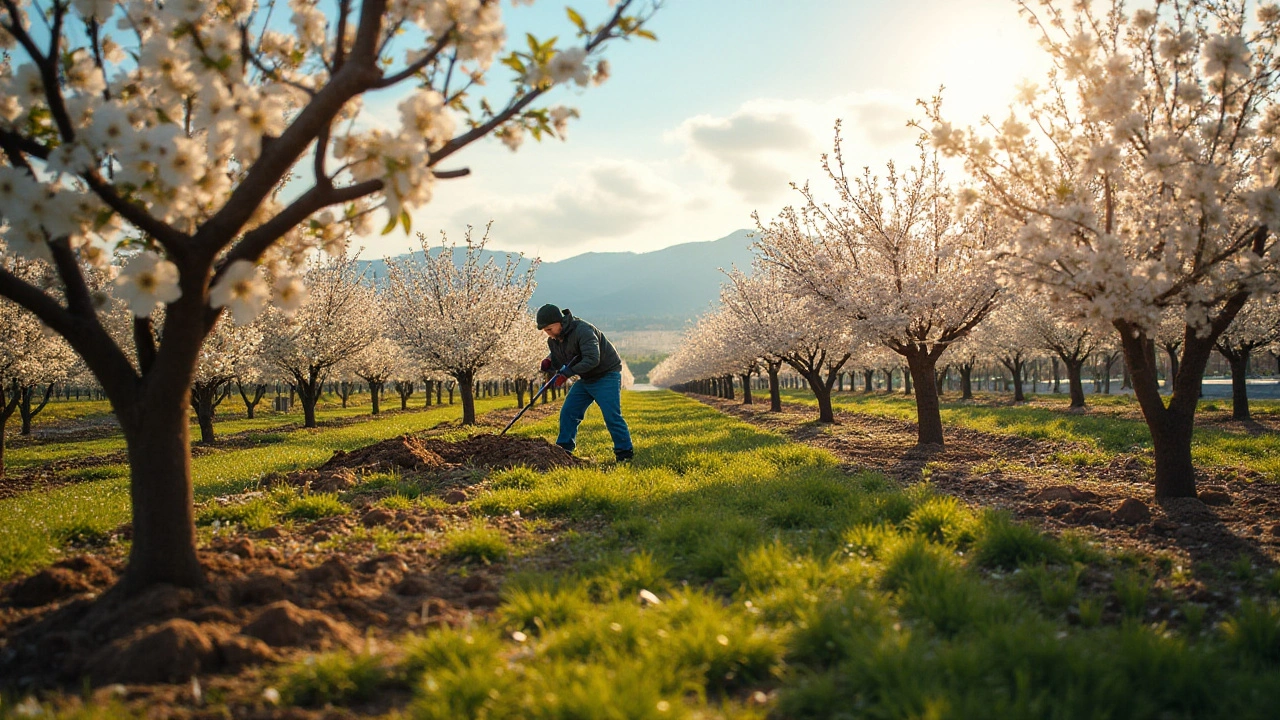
pixel 1239 515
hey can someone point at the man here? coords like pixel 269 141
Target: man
pixel 599 370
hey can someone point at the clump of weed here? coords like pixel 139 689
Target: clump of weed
pixel 476 543
pixel 1132 589
pixel 83 534
pixel 1090 611
pixel 1004 543
pixel 314 506
pixel 338 677
pixel 255 514
pixel 537 609
pixel 1055 586
pixel 1254 631
pixel 943 520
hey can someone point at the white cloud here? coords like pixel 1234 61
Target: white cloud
pixel 766 144
pixel 608 199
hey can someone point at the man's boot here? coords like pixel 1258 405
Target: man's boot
pixel 624 455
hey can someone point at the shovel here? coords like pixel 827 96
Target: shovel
pixel 562 371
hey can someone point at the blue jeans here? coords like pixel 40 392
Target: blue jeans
pixel 605 392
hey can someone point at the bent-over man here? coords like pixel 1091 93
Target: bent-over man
pixel 599 370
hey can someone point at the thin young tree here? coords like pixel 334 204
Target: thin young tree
pixel 1257 326
pixel 340 317
pixel 452 308
pixel 226 353
pixel 1148 184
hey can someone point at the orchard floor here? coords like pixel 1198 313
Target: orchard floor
pixel 1235 524
pixel 744 566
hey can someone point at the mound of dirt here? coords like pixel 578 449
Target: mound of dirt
pixel 406 452
pixel 69 577
pixel 169 652
pixel 503 451
pixel 284 624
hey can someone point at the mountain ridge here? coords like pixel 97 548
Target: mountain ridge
pixel 624 290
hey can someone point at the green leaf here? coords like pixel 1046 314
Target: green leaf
pixel 576 19
pixel 390 226
pixel 405 220
pixel 533 43
pixel 515 63
pixel 645 34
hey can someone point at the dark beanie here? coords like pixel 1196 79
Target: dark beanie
pixel 549 315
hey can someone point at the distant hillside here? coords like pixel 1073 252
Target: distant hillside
pixel 658 290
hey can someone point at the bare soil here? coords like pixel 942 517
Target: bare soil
pixel 1237 514
pixel 277 594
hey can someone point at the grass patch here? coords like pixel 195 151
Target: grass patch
pixel 32 524
pixel 476 543
pixel 765 567
pixel 335 678
pixel 314 506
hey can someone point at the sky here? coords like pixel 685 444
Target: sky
pixel 736 100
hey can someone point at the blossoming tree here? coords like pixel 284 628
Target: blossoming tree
pixel 1148 185
pixel 31 359
pixel 1257 326
pixel 340 317
pixel 1068 337
pixel 375 364
pixel 228 352
pixel 892 258
pixel 453 312
pixel 175 124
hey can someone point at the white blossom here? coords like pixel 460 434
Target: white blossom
pixel 146 281
pixel 241 290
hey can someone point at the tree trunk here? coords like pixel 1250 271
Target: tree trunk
pixel 1075 381
pixel 928 412
pixel 1239 362
pixel 259 390
pixel 1015 365
pixel 519 385
pixel 465 387
pixel 375 397
pixel 308 389
pixel 24 407
pixel 157 433
pixel 1057 378
pixel 966 381
pixel 1172 426
pixel 907 388
pixel 868 378
pixel 202 397
pixel 7 406
pixel 820 390
pixel 746 389
pixel 775 391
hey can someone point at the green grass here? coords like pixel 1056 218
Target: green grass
pixel 784 587
pixel 843 597
pixel 231 420
pixel 476 543
pixel 1101 435
pixel 33 525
